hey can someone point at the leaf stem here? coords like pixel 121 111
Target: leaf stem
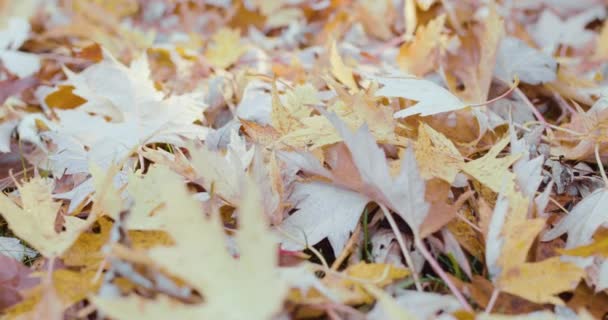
pixel 406 253
pixel 600 164
pixel 347 249
pixel 437 268
pixel 493 300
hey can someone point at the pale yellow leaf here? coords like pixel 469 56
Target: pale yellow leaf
pixel 107 197
pixel 418 57
pixel 35 220
pixel 436 155
pixel 491 171
pixel 225 48
pixel 540 281
pixel 339 70
pixel 247 287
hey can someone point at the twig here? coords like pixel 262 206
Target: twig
pixel 437 268
pixel 401 242
pixel 600 164
pixel 348 248
pixel 506 93
pixel 493 300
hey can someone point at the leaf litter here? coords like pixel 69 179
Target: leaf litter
pixel 412 159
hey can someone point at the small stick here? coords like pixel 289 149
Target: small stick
pixel 348 248
pixel 493 300
pixel 600 164
pixel 437 268
pixel 401 242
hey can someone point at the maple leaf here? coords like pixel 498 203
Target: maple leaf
pixel 67 287
pixel 200 259
pixel 225 49
pixel 350 286
pixel 432 98
pixel 87 252
pixel 35 221
pixel 339 70
pixel 436 155
pixel 414 56
pixel 510 237
pixel 374 183
pixel 402 194
pixel 312 223
pixel 493 172
pixel 583 220
pixel 139 113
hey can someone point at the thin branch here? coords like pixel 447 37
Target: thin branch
pixel 493 300
pixel 600 164
pixel 348 248
pixel 406 253
pixel 437 268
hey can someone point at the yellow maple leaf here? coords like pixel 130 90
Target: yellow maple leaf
pixel 479 76
pixel 598 247
pixel 70 287
pixel 350 285
pixel 540 281
pixel 200 258
pixel 340 70
pixel 436 155
pixel 86 252
pixel 493 172
pixel 536 281
pixel 418 57
pixel 216 173
pixel 225 48
pixel 35 221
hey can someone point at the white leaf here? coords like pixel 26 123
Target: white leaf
pixel 256 103
pixel 324 211
pixel 582 221
pixel 516 58
pixel 6 129
pixel 15 34
pixel 551 30
pixel 138 115
pixel 404 194
pixel 432 98
pixel 22 64
pixel 494 240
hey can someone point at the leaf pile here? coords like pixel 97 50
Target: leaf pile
pixel 340 159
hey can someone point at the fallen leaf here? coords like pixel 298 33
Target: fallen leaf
pixel 217 270
pixel 35 220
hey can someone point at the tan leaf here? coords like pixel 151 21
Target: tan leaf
pixel 436 155
pixel 419 56
pixel 208 267
pixel 35 220
pixel 493 172
pixel 339 70
pixel 540 281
